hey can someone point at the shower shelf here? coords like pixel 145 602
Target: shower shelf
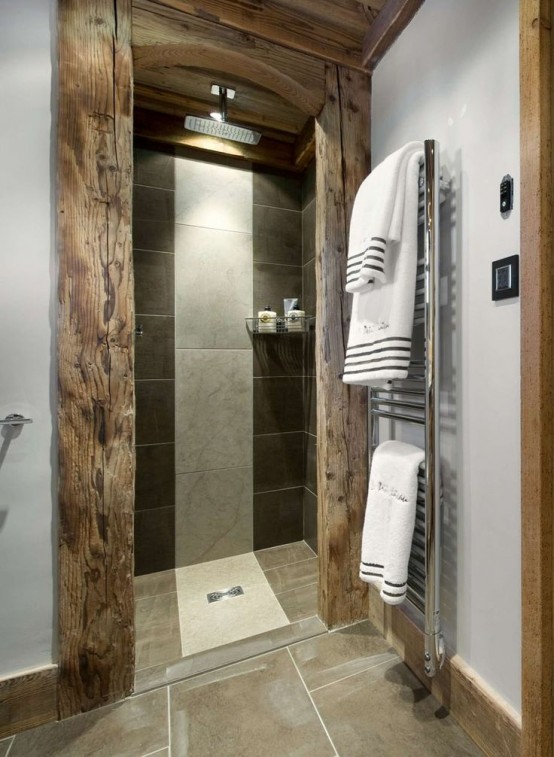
pixel 281 325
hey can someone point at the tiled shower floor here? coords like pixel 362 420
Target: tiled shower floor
pixel 174 619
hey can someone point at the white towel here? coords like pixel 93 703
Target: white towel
pixel 377 217
pixel 380 336
pixel 390 518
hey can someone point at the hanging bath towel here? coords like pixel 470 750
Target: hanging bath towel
pixel 380 336
pixel 390 518
pixel 377 219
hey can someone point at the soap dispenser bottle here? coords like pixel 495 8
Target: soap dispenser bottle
pixel 296 319
pixel 267 320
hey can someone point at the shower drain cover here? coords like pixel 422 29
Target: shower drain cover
pixel 217 596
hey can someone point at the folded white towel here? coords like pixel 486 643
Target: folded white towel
pixel 390 518
pixel 377 217
pixel 380 336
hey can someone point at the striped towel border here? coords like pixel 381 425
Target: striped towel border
pixel 370 261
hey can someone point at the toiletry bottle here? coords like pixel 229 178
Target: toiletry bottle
pixel 296 319
pixel 267 320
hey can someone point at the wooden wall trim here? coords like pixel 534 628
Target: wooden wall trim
pixel 342 162
pixel 95 360
pixel 487 718
pixel 389 24
pixel 537 376
pixel 28 700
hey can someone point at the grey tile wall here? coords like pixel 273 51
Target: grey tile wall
pixel 154 266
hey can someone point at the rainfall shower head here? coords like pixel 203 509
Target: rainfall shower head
pixel 222 129
pixel 217 125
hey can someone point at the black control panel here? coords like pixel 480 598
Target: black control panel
pixel 506 194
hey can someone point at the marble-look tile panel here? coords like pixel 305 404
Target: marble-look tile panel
pixel 278 355
pixel 293 576
pixel 308 233
pixel 214 409
pixel 299 603
pixel 278 517
pixel 278 190
pixel 213 288
pixel 160 753
pixel 311 462
pixel 257 707
pixel 5 745
pixel 137 726
pixel 155 476
pixel 278 461
pixel 388 708
pixel 284 554
pixel 310 519
pixel 158 633
pixel 153 204
pixel 277 235
pixel 272 283
pixel 278 404
pixel 154 282
pixel 308 288
pixel 154 540
pixel 154 168
pixel 155 348
pixel 244 649
pixel 154 583
pixel 340 654
pixel 212 195
pixel 213 515
pixel 155 411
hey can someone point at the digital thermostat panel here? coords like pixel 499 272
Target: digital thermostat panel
pixel 505 278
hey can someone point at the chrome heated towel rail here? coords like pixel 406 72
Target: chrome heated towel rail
pixel 416 401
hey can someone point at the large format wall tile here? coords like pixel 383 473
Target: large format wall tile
pixel 277 355
pixel 213 515
pixel 311 462
pixel 278 517
pixel 154 540
pixel 154 282
pixel 155 349
pixel 152 234
pixel 153 204
pixel 277 235
pixel 152 168
pixel 276 189
pixel 155 476
pixel 278 405
pixel 213 287
pixel 155 412
pixel 308 185
pixel 214 196
pixel 278 461
pixel 214 409
pixel 272 283
pixel 308 233
pixel 308 288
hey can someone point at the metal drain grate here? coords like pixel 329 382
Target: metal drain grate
pixel 217 596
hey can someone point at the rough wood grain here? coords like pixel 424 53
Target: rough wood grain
pixel 327 29
pixel 537 377
pixel 387 27
pixel 304 148
pixel 486 717
pixel 95 354
pixel 342 162
pixel 170 130
pixel 28 700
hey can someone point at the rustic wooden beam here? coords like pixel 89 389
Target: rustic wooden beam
pixel 387 27
pixel 170 130
pixel 342 162
pixel 28 700
pixel 304 148
pixel 537 376
pixel 95 354
pixel 331 30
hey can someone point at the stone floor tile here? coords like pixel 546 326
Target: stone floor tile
pixel 275 557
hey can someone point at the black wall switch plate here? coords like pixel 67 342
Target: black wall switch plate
pixel 505 278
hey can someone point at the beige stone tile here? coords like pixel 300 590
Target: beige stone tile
pixel 153 584
pixel 256 708
pixel 386 712
pixel 299 603
pixel 160 753
pixel 205 626
pixel 292 576
pixel 340 653
pixel 158 635
pixel 5 746
pixel 275 557
pixel 236 651
pixel 137 726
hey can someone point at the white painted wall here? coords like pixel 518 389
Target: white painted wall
pixel 453 76
pixel 27 349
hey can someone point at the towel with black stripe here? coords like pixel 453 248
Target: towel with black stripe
pixel 390 518
pixel 381 324
pixel 376 222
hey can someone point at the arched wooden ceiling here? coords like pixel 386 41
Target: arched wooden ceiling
pixel 273 52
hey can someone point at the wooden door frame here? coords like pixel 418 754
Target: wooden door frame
pixel 95 351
